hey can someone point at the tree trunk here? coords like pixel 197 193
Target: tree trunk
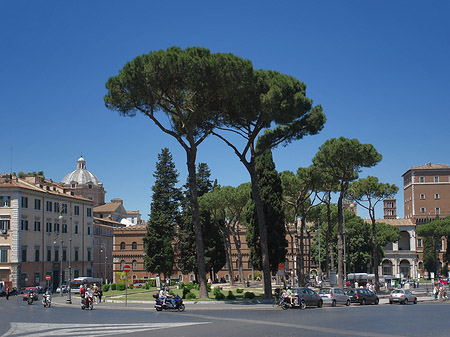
pixel 229 259
pixel 262 231
pixel 330 241
pixel 340 270
pixel 191 157
pixel 301 276
pixel 375 255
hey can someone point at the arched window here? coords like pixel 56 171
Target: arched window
pixel 420 265
pixel 122 245
pixel 134 245
pixel 134 265
pixel 387 267
pixel 403 243
pixel 180 278
pixel 191 278
pixel 405 268
pixel 122 264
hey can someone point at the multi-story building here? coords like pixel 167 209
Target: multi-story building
pixel 103 247
pixel 45 230
pixel 427 196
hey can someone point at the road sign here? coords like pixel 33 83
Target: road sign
pixel 126 269
pixel 48 277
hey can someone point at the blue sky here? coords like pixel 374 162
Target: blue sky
pixel 380 69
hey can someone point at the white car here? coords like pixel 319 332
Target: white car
pixel 334 296
pixel 64 289
pixel 402 296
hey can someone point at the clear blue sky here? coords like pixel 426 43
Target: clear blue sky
pixel 380 69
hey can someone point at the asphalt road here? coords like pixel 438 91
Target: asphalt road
pixel 424 319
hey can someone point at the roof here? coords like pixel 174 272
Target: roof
pixel 108 207
pixel 394 222
pixel 55 190
pixel 132 228
pixel 429 166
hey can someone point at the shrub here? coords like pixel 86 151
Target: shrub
pixel 121 286
pixel 217 291
pixel 249 295
pixel 189 286
pixel 190 295
pixel 230 295
pixel 113 286
pixel 208 287
pixel 185 292
pixel 105 288
pixel 239 290
pixel 219 296
pixel 151 283
pixel 181 285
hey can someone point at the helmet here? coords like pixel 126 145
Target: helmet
pixel 81 286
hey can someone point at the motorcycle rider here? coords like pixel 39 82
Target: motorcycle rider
pixel 47 295
pixel 170 297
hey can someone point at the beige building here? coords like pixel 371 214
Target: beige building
pixel 45 230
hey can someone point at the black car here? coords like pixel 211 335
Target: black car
pixel 362 296
pixel 310 297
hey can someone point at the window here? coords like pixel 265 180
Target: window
pixel 134 265
pixel 122 264
pixel 37 204
pixel 421 265
pixel 89 255
pixel 49 206
pixel 76 229
pixel 437 210
pixel 422 196
pixel 56 255
pixel 56 207
pixel 63 208
pixel 48 228
pixel 436 179
pixel 56 227
pixel 24 202
pixel 49 254
pixel 4 223
pixel 64 255
pixel 76 255
pixel 24 254
pixel 422 209
pixel 5 200
pixel 436 196
pixel 76 210
pixel 122 245
pixel 88 230
pixel 64 228
pixel 36 255
pixel 4 255
pixel 422 179
pixel 24 225
pixel 89 212
pixel 37 226
pixel 419 243
pixel 134 245
pixel 90 186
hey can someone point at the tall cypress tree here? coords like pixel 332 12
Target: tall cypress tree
pixel 164 215
pixel 269 184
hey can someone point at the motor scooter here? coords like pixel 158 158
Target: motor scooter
pixel 164 304
pixel 87 302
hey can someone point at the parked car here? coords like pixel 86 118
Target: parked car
pixel 310 297
pixel 362 296
pixel 334 296
pixel 402 296
pixel 27 291
pixel 64 289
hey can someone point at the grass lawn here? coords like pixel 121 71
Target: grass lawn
pixel 140 294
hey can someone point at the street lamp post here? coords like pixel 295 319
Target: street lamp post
pixel 69 299
pixel 104 251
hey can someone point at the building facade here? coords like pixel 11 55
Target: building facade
pixel 45 230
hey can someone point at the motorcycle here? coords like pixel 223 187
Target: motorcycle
pixel 165 304
pixel 30 298
pixel 47 300
pixel 87 302
pixel 296 303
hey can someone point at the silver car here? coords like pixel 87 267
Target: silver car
pixel 334 296
pixel 402 296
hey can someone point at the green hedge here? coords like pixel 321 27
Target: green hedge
pixel 219 296
pixel 105 287
pixel 239 290
pixel 230 295
pixel 113 286
pixel 249 295
pixel 121 286
pixel 190 296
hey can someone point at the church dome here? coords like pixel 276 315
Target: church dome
pixel 81 176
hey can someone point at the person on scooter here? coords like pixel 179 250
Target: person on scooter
pixel 289 295
pixel 170 297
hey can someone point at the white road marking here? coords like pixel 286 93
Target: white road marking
pixel 56 329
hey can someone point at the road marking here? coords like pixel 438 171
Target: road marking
pixel 56 329
pixel 331 331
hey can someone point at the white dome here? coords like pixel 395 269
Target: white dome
pixel 81 176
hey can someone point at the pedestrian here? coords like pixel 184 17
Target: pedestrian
pixel 100 294
pixel 436 292
pixel 7 294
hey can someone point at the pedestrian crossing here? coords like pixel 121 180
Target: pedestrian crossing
pixel 86 330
